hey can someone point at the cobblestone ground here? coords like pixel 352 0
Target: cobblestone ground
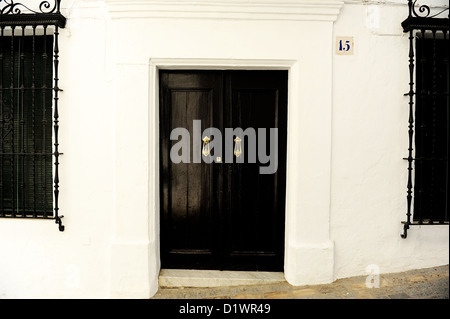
pixel 429 283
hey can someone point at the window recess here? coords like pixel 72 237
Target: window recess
pixel 429 116
pixel 29 119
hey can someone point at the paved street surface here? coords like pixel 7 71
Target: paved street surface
pixel 430 283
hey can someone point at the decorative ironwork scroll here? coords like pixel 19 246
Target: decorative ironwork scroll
pixel 13 12
pixel 422 16
pixel 424 10
pixel 14 7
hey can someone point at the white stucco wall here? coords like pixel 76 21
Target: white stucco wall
pixel 346 183
pixel 370 119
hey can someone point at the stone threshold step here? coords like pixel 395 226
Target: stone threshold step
pixel 216 278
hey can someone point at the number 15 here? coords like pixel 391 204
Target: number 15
pixel 344 47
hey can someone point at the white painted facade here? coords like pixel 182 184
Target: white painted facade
pixel 347 137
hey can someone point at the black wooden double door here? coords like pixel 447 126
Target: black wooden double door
pixel 222 212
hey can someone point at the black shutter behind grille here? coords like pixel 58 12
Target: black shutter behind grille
pixel 26 125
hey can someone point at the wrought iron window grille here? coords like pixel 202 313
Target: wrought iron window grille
pixel 428 122
pixel 29 118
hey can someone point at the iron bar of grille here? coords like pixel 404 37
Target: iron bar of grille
pixel 44 120
pixel 11 109
pixel 33 116
pixel 56 129
pixel 421 127
pixel 20 156
pixel 2 214
pixel 433 130
pixel 22 123
pixel 410 134
pixel 447 63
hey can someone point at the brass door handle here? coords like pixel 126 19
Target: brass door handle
pixel 205 148
pixel 237 147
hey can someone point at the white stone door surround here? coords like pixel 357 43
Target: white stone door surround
pixel 295 35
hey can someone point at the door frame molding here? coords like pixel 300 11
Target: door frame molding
pixel 156 64
pixel 308 248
